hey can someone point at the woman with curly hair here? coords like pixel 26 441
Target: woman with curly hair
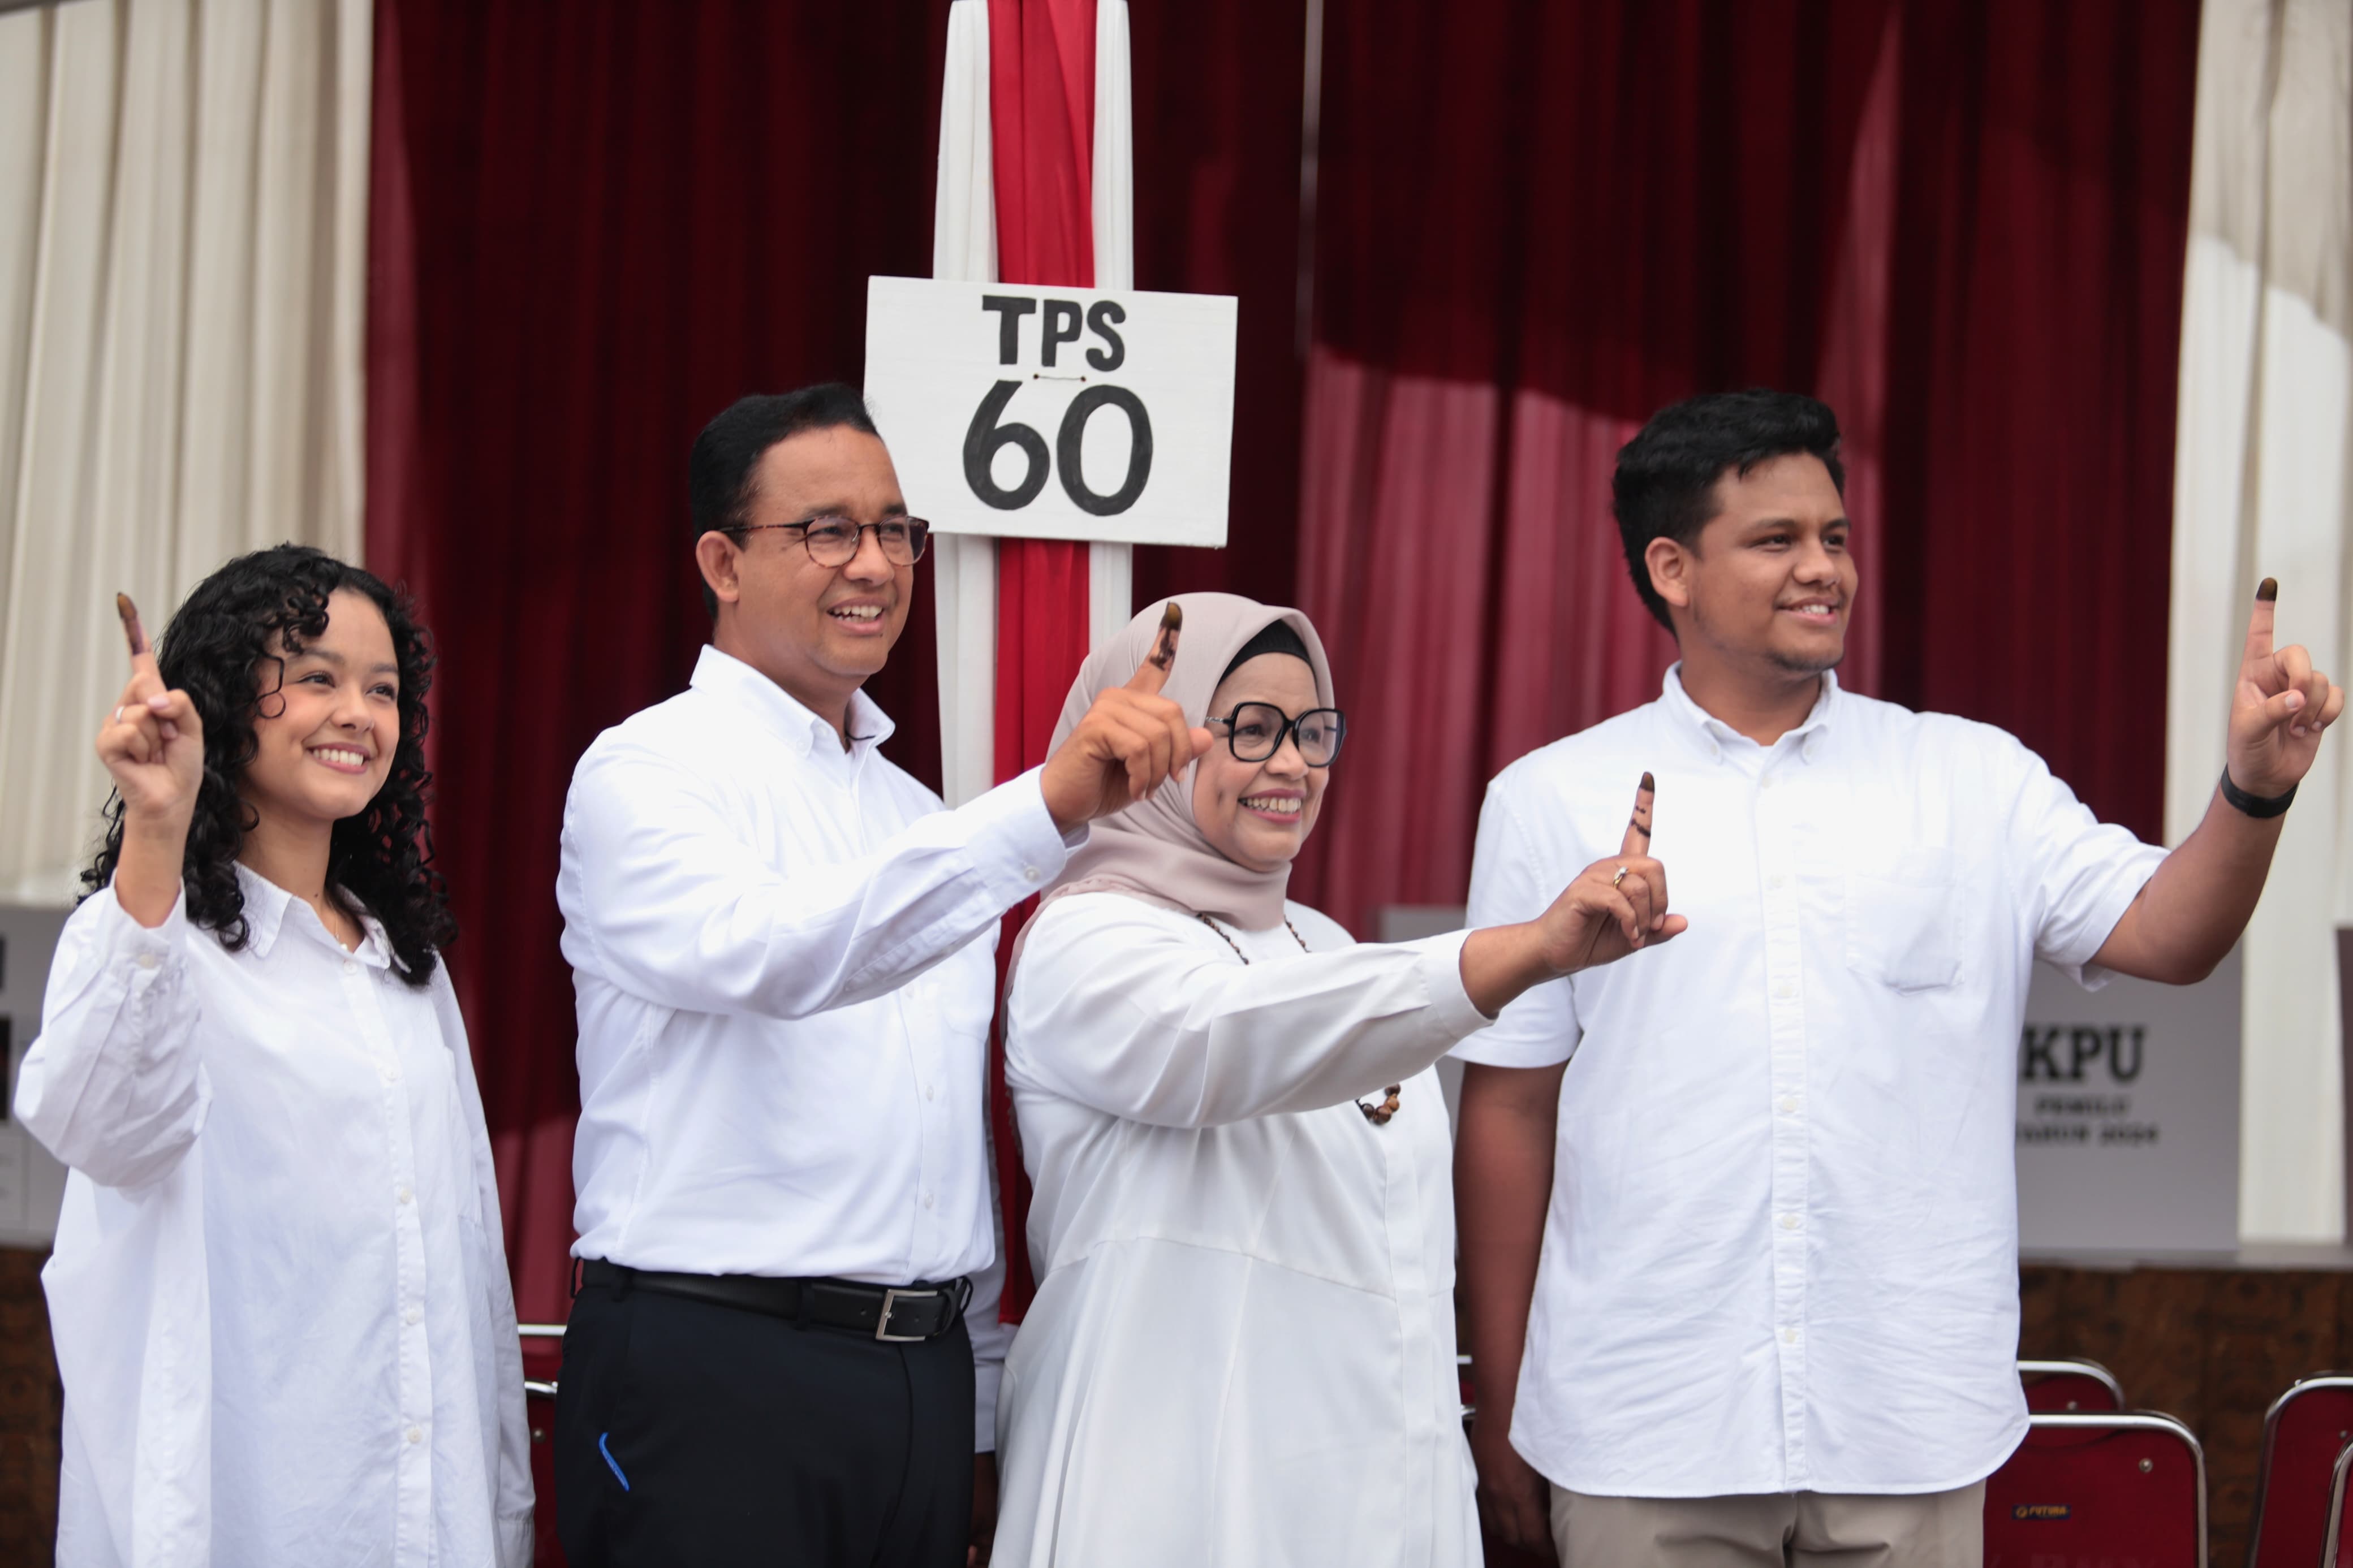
pixel 278 1293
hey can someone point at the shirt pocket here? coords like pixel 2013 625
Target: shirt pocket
pixel 1901 919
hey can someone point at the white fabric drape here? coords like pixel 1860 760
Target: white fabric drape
pixel 2260 490
pixel 963 245
pixel 183 266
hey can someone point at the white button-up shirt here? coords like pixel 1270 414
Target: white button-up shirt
pixel 1242 1348
pixel 278 1294
pixel 1781 1249
pixel 783 956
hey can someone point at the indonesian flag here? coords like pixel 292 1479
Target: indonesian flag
pixel 1034 186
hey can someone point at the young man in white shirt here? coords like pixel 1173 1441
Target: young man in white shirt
pixel 782 946
pixel 1741 1211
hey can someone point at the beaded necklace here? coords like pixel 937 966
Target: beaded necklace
pixel 1378 1115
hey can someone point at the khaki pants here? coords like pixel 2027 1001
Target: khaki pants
pixel 1810 1530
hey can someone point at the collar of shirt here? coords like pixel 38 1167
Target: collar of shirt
pixel 266 906
pixel 725 675
pixel 1717 739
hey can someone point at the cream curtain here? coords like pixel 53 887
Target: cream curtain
pixel 2260 490
pixel 182 265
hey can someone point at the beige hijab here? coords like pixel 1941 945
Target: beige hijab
pixel 1154 850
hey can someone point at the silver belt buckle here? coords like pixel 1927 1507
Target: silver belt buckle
pixel 890 1299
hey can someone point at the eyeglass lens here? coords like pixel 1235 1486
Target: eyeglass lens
pixel 833 541
pixel 1257 730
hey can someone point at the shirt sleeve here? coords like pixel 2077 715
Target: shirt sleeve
pixel 114 1087
pixel 1113 1007
pixel 1511 882
pixel 2077 874
pixel 662 895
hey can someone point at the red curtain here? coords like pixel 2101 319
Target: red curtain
pixel 600 225
pixel 1961 222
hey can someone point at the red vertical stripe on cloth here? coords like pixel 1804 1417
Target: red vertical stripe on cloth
pixel 1041 123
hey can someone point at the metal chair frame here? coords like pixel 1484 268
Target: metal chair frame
pixel 532 1386
pixel 2140 1421
pixel 2075 1366
pixel 2335 1506
pixel 2301 1387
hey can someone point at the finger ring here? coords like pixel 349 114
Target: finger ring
pixel 118 715
pixel 1619 877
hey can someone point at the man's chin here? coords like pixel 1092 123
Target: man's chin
pixel 1809 661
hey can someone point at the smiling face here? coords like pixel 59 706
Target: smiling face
pixel 817 631
pixel 1258 815
pixel 1769 585
pixel 324 737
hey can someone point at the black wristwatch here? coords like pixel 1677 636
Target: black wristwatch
pixel 2255 805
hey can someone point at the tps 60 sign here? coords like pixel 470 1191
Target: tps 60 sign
pixel 1055 413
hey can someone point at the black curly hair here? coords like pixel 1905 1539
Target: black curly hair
pixel 222 649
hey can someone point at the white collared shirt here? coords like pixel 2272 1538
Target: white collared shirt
pixel 1781 1252
pixel 278 1294
pixel 784 958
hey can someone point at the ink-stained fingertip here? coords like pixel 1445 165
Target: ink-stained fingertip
pixel 1650 784
pixel 122 606
pixel 2267 590
pixel 1172 616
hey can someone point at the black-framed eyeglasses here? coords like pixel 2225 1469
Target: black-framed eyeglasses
pixel 834 541
pixel 1255 732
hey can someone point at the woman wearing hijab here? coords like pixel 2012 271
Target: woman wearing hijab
pixel 1242 1345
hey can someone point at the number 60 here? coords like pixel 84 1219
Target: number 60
pixel 985 438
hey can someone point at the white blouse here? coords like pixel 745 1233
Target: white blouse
pixel 1242 1346
pixel 279 1296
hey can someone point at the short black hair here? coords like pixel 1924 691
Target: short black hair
pixel 723 470
pixel 1665 483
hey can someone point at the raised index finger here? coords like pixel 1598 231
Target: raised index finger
pixel 1152 673
pixel 2259 624
pixel 142 656
pixel 1638 826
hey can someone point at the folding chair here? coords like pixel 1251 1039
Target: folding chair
pixel 2070 1384
pixel 543 1352
pixel 2338 1546
pixel 2085 1491
pixel 2305 1434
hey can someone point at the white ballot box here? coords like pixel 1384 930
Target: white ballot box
pixel 2129 1115
pixel 32 1184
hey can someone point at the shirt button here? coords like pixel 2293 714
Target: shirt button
pixel 404 1194
pixel 1777 881
pixel 1788 1336
pixel 1032 872
pixel 1788 1222
pixel 931 1091
pixel 350 968
pixel 1783 989
pixel 146 961
pixel 927 1200
pixel 392 1075
pixel 415 1434
pixel 415 1315
pixel 1789 1105
pixel 1765 783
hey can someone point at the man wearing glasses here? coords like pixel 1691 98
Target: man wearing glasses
pixel 782 949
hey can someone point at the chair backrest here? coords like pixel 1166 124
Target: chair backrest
pixel 2338 1546
pixel 543 1358
pixel 2117 1490
pixel 2305 1431
pixel 2070 1384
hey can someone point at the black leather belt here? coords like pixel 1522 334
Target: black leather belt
pixel 902 1314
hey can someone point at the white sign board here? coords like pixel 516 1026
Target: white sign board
pixel 2129 1115
pixel 1055 413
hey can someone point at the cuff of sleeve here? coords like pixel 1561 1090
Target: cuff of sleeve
pixel 1014 842
pixel 516 1542
pixel 987 1377
pixel 127 938
pixel 1496 1047
pixel 1451 1011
